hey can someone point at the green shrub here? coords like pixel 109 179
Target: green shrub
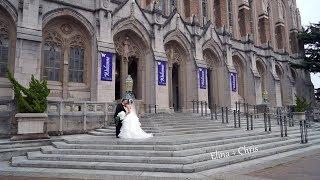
pixel 301 104
pixel 32 99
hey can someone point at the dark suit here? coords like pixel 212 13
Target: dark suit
pixel 119 108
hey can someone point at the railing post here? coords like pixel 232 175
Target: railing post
pixel 197 106
pixel 155 109
pixel 301 131
pixel 215 112
pixel 222 114
pixel 251 119
pixel 239 118
pixel 149 108
pixel 281 126
pixel 269 122
pixel 227 115
pixel 61 107
pixel 201 103
pixel 247 118
pixel 236 106
pixel 84 116
pixel 193 110
pixel 211 112
pixel 265 121
pixel 206 107
pixel 306 131
pixel 285 126
pixel 235 118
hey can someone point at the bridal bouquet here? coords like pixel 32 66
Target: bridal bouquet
pixel 121 115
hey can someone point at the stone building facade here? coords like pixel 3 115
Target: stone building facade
pixel 219 51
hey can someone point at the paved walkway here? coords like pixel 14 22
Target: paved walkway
pixel 306 168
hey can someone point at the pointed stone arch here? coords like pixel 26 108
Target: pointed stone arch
pixel 180 38
pixel 67 58
pixel 239 64
pixel 8 36
pixel 261 83
pixel 71 13
pixel 134 56
pixel 134 25
pixel 215 75
pixel 180 66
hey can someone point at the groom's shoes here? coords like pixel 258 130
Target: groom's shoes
pixel 117 136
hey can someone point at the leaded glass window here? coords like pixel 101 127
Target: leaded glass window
pixel 76 64
pixel 52 62
pixel 4 55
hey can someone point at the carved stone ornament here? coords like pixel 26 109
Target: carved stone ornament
pixel 53 37
pixel 173 56
pixel 126 48
pixel 106 3
pixel 4 29
pixel 66 29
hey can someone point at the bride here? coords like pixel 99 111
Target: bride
pixel 131 126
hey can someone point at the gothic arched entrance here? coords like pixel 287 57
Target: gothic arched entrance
pixel 214 76
pixel 177 63
pixel 131 55
pixel 239 66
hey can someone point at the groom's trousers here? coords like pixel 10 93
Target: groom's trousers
pixel 118 127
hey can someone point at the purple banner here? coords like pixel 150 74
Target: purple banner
pixel 203 78
pixel 106 66
pixel 162 73
pixel 233 80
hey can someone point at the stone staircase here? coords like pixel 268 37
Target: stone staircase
pixel 183 144
pixel 179 124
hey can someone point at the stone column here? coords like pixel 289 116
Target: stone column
pixel 123 74
pixel 263 28
pixel 244 20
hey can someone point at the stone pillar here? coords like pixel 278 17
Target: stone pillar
pixel 263 29
pixel 123 74
pixel 29 38
pixel 280 35
pixel 244 20
pixel 294 44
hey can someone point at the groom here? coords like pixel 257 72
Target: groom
pixel 119 108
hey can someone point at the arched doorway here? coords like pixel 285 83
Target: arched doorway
pixel 239 67
pixel 67 58
pixel 177 63
pixel 131 54
pixel 214 76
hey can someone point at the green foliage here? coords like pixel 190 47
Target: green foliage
pixel 32 99
pixel 311 40
pixel 301 104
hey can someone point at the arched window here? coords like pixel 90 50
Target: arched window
pixel 52 62
pixel 67 57
pixel 4 52
pixel 76 64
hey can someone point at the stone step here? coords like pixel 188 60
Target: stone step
pixel 215 163
pixel 163 151
pixel 176 168
pixel 9 148
pixel 176 140
pixel 204 156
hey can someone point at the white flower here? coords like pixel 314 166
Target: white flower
pixel 121 115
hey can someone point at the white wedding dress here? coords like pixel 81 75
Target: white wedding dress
pixel 131 127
